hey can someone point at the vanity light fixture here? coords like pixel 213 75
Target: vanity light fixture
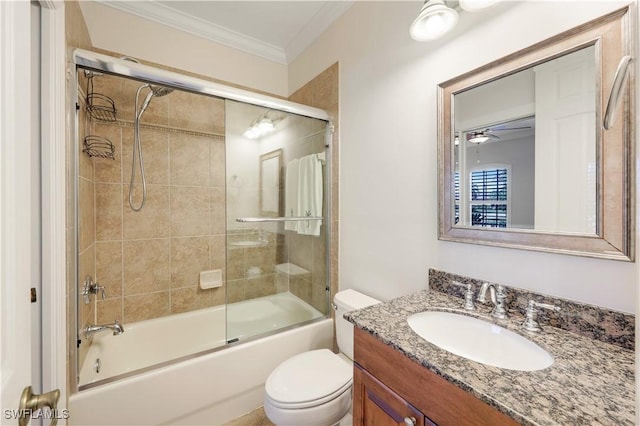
pixel 266 125
pixel 252 132
pixel 260 127
pixel 434 20
pixel 477 5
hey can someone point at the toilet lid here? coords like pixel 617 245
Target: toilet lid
pixel 308 379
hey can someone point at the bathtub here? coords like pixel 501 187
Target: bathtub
pixel 211 388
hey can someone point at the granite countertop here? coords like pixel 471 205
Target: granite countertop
pixel 590 382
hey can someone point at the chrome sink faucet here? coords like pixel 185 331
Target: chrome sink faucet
pixel 498 296
pixel 90 330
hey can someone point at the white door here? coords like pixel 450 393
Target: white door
pixel 565 186
pixel 16 231
pixel 20 221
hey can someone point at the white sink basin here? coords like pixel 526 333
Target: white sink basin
pixel 480 341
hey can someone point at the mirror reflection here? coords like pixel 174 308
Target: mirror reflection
pixel 524 151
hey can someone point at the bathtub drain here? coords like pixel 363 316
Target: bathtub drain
pixel 97 365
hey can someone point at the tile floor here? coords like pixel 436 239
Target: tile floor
pixel 258 418
pixel 254 418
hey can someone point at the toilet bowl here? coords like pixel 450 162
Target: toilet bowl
pixel 314 388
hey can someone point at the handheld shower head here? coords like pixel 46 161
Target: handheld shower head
pixel 137 147
pixel 145 104
pixel 158 91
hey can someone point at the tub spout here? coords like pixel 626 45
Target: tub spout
pixel 90 330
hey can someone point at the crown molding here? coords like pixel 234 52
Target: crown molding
pixel 170 17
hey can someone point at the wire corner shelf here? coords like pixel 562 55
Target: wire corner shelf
pixel 97 146
pixel 99 107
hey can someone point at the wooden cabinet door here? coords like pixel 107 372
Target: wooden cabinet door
pixel 374 404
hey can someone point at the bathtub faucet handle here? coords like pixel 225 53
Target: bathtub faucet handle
pixel 91 287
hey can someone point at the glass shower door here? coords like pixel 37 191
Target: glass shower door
pixel 276 272
pixel 151 222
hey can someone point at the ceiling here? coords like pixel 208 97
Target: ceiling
pixel 276 30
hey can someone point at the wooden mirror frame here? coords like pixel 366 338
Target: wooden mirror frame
pixel 612 36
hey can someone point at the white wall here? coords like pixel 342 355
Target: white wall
pixel 130 35
pixel 388 155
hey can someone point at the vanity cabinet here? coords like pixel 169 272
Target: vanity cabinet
pixel 389 388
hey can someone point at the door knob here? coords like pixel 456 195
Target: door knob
pixel 30 402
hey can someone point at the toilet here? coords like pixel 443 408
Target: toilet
pixel 314 388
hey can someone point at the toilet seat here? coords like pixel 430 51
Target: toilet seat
pixel 308 379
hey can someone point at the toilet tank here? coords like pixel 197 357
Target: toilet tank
pixel 345 301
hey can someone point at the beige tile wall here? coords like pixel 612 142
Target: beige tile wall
pixel 149 261
pixel 309 253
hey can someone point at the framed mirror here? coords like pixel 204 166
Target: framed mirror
pixel 270 164
pixel 536 151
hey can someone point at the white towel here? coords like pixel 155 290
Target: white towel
pixel 291 194
pixel 310 194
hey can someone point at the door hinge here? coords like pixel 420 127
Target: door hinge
pixel 34 295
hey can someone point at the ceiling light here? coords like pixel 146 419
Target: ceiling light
pixel 477 5
pixel 434 20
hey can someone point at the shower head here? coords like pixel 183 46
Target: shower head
pixel 158 91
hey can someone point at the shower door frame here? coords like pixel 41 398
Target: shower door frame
pixel 129 69
pixel 84 59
